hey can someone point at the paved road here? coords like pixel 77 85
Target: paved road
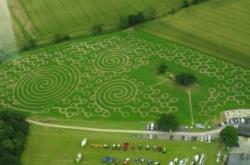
pixel 162 135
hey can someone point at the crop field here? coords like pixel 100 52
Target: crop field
pixel 52 146
pixel 218 27
pixel 113 78
pixel 42 19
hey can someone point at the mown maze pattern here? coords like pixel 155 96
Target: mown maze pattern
pixel 46 86
pixel 92 78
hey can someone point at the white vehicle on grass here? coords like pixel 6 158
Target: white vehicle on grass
pixel 84 142
pixel 78 157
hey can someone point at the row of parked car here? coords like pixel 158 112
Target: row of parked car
pixel 127 161
pixel 197 160
pixel 126 146
pixel 207 139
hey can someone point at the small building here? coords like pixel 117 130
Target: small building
pixel 239 159
pixel 244 130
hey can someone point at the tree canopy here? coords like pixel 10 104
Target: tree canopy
pixel 167 122
pixel 2 56
pixel 229 136
pixel 31 44
pixel 185 79
pixel 162 68
pixel 97 28
pixel 13 132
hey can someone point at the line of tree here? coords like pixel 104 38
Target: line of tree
pixel 125 22
pixel 13 133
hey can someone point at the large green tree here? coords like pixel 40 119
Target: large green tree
pixel 229 136
pixel 167 122
pixel 13 132
pixel 185 79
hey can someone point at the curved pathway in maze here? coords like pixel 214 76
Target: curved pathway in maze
pixel 111 60
pixel 115 93
pixel 46 86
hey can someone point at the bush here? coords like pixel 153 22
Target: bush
pixel 61 38
pixel 2 56
pixel 184 4
pixel 149 13
pixel 123 22
pixel 13 132
pixel 172 11
pixel 167 122
pixel 162 68
pixel 31 44
pixel 185 79
pixel 194 2
pixel 229 136
pixel 97 28
pixel 136 19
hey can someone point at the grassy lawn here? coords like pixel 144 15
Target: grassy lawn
pixel 59 147
pixel 42 19
pixel 218 27
pixel 112 78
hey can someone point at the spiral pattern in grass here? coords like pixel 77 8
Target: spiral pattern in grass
pixel 111 60
pixel 117 93
pixel 46 86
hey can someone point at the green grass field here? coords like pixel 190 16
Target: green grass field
pixel 218 27
pixel 59 147
pixel 113 78
pixel 42 19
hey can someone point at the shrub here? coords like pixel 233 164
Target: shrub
pixel 185 79
pixel 149 13
pixel 162 68
pixel 167 122
pixel 184 4
pixel 229 136
pixel 61 38
pixel 97 28
pixel 2 56
pixel 31 44
pixel 134 19
pixel 123 22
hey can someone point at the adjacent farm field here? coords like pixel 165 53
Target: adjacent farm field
pixel 59 147
pixel 114 78
pixel 218 27
pixel 42 19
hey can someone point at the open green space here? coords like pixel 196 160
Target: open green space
pixel 217 27
pixel 52 146
pixel 113 78
pixel 42 19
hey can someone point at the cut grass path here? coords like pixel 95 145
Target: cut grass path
pixel 165 135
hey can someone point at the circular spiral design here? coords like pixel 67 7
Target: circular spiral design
pixel 46 86
pixel 117 93
pixel 111 60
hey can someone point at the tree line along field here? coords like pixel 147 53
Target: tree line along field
pixel 217 27
pixel 60 147
pixel 112 78
pixel 42 19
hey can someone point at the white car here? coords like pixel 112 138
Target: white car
pixel 84 142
